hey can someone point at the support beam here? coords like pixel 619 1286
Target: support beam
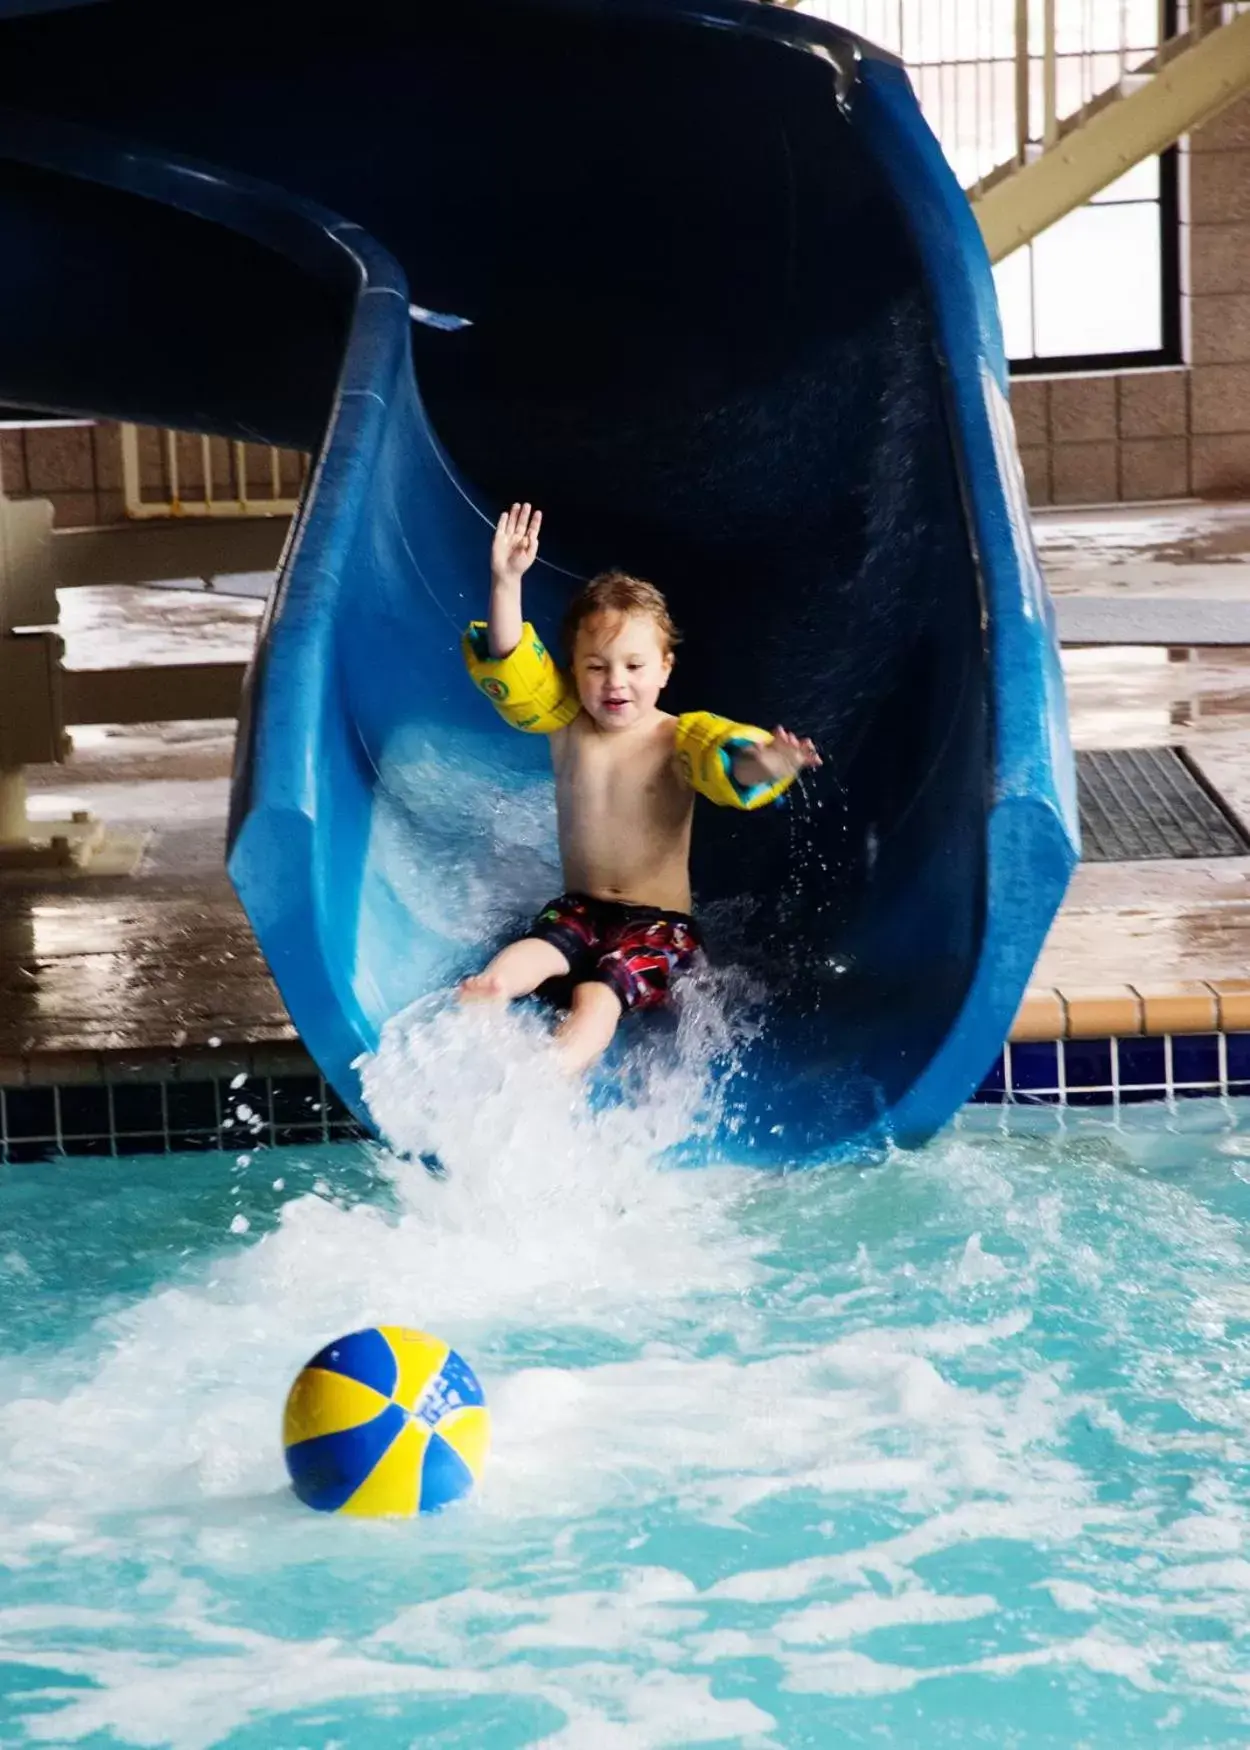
pixel 38 697
pixel 155 552
pixel 1188 89
pixel 186 692
pixel 13 823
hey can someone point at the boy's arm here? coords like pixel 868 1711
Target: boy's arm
pixel 737 765
pixel 513 551
pixel 505 657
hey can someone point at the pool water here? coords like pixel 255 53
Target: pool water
pixel 949 1449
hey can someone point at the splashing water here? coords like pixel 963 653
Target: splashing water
pixel 952 1450
pixel 666 1086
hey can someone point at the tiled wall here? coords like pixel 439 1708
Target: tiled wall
pixel 1107 1072
pixel 1166 433
pixel 130 1116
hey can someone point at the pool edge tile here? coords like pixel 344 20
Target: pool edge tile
pixel 1103 1011
pixel 1040 1017
pixel 13 1072
pixel 1232 997
pixel 1183 1007
pixel 62 1069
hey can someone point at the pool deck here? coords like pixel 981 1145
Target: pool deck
pixel 1153 947
pixel 157 973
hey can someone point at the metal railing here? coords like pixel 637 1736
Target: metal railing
pixel 1001 81
pixel 193 475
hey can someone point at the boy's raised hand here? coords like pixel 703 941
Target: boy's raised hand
pixel 787 753
pixel 515 546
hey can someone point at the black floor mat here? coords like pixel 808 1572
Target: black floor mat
pixel 1143 803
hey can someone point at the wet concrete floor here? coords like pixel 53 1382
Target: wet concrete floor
pixel 1156 923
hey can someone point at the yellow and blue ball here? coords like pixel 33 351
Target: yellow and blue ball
pixel 385 1421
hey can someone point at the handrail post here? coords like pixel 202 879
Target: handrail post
pixel 1050 118
pixel 1022 81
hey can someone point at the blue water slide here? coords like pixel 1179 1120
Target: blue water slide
pixel 695 278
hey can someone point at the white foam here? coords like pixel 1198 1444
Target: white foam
pixel 229 1678
pixel 820 1624
pixel 977 1266
pixel 845 1672
pixel 1229 1576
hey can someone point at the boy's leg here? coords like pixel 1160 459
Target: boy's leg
pixel 584 1033
pixel 516 971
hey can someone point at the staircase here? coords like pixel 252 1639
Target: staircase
pixel 1194 74
pixel 1040 104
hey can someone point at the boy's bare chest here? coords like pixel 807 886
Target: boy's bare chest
pixel 602 774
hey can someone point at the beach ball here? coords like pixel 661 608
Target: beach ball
pixel 385 1421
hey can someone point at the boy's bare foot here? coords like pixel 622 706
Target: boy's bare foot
pixel 482 987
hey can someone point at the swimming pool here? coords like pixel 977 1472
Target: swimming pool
pixel 954 1448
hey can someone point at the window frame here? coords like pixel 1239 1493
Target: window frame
pixel 1171 352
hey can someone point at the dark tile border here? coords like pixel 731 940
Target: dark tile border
pixel 1125 1071
pixel 273 1097
pixel 159 1103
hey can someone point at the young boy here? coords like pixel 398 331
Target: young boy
pixel 626 775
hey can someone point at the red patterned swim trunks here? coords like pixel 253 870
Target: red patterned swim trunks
pixel 633 949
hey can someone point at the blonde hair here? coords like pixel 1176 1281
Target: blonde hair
pixel 616 592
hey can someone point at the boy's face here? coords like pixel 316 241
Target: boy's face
pixel 620 666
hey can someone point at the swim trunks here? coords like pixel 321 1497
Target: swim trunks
pixel 633 949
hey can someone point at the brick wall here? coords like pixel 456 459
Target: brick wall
pixel 79 468
pixel 1166 433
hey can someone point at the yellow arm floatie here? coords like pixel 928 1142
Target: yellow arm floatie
pixel 525 687
pixel 706 745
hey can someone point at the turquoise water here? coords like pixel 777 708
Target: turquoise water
pixel 950 1450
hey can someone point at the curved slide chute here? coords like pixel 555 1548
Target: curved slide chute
pixel 698 280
